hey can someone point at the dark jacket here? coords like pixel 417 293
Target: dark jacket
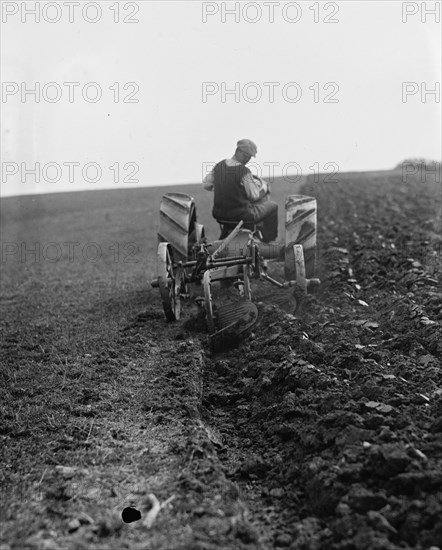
pixel 230 201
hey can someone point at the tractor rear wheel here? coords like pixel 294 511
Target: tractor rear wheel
pixel 170 281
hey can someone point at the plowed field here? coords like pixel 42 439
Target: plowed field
pixel 320 430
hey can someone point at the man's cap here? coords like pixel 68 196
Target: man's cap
pixel 247 146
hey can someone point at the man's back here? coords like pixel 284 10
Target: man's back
pixel 230 199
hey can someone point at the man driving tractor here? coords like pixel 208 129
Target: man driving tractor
pixel 239 195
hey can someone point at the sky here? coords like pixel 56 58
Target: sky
pixel 319 86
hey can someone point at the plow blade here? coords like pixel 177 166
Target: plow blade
pixel 238 316
pixel 232 320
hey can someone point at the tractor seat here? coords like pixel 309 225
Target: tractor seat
pixel 227 226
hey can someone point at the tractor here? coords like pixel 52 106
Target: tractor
pixel 186 257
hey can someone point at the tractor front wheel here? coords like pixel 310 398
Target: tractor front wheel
pixel 210 317
pixel 294 268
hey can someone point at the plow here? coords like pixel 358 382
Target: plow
pixel 185 257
